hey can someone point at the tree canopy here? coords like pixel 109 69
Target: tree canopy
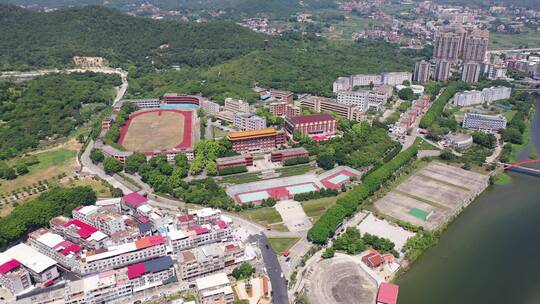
pixel 49 107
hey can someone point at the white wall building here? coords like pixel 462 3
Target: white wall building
pixel 214 289
pixel 247 121
pixel 236 105
pixel 210 107
pixel 468 98
pixel 496 93
pixel 362 98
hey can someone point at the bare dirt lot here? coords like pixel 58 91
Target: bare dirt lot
pixel 339 280
pixel 437 190
pixel 155 130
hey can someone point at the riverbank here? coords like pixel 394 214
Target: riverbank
pixel 476 255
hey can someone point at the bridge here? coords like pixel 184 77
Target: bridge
pixel 520 167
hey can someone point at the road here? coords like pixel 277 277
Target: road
pixel 87 165
pixel 273 269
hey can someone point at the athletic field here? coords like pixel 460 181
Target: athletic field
pixel 147 131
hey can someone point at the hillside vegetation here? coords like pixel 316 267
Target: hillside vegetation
pixel 51 39
pixel 49 107
pixel 308 65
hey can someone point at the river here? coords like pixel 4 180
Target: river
pixel 490 253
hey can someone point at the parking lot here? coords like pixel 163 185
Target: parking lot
pixel 385 229
pixel 293 215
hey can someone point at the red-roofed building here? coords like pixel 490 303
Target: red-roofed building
pixel 135 270
pixel 200 229
pixel 373 259
pixel 9 266
pixel 388 294
pixel 311 125
pixel 151 273
pixel 280 193
pixel 133 200
pixel 13 276
pixel 65 252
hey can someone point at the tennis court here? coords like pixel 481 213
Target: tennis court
pixel 338 179
pixel 301 189
pixel 333 179
pixel 253 196
pixel 419 213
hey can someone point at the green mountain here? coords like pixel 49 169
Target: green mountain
pixel 52 39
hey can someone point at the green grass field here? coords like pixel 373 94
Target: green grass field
pixel 503 179
pixel 295 170
pixel 280 245
pixel 51 163
pixel 241 178
pixel 499 41
pixel 264 216
pixel 100 189
pixel 315 208
pixel 424 145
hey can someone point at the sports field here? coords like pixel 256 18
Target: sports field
pixel 157 129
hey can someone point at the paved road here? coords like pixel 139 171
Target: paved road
pixel 273 269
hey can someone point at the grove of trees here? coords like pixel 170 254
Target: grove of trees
pixel 38 212
pixel 49 107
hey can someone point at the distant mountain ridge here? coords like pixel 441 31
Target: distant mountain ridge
pixel 52 39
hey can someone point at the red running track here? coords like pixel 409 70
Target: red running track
pixel 188 122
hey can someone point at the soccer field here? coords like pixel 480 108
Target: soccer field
pixel 160 129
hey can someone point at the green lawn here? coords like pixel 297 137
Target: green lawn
pixel 51 163
pixel 280 245
pixel 502 179
pixel 509 114
pixel 241 178
pixel 295 170
pixel 264 216
pixel 315 208
pixel 424 145
pixel 99 187
pixel 499 41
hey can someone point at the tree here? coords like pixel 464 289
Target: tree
pixel 211 168
pixel 181 160
pixel 487 140
pixel 21 169
pixel 117 192
pixel 326 161
pixel 350 241
pixel 96 156
pixel 447 155
pixel 244 271
pixel 406 94
pixel 512 135
pixel 111 165
pixel 134 161
pixel 297 135
pixel 10 173
pixel 328 253
pixel 80 138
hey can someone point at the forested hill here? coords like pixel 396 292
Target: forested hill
pixel 34 39
pixel 535 4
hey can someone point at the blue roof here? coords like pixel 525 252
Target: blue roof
pixel 159 264
pixel 265 96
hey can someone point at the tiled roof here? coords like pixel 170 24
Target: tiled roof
pixel 134 199
pixel 311 118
